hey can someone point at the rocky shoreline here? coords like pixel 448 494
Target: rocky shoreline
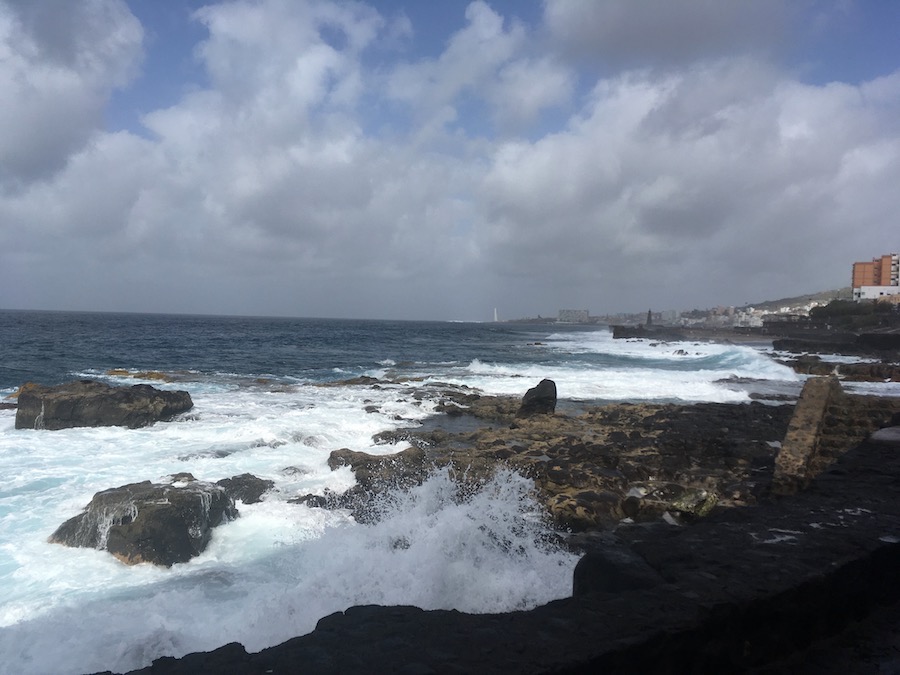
pixel 714 537
pixel 735 578
pixel 740 590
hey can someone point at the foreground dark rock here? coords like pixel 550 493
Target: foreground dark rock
pixel 87 403
pixel 157 523
pixel 743 590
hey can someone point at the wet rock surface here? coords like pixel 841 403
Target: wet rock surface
pixel 595 468
pixel 87 403
pixel 811 364
pixel 246 487
pixel 159 523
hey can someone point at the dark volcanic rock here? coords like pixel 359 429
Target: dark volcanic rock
pixel 402 469
pixel 539 400
pixel 596 468
pixel 880 341
pixel 811 364
pixel 87 403
pixel 246 487
pixel 150 522
pixel 609 566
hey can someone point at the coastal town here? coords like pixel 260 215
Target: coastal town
pixel 875 281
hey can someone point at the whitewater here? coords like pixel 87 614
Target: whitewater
pixel 274 397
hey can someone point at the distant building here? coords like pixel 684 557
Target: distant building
pixel 875 292
pixel 877 279
pixel 574 316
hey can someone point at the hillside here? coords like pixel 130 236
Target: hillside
pixel 821 298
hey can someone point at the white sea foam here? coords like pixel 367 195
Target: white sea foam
pixel 597 367
pixel 485 553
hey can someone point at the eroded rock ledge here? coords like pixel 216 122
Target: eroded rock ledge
pixel 87 403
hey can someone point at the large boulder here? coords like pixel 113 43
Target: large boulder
pixel 539 400
pixel 87 403
pixel 157 523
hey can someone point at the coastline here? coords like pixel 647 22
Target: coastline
pixel 742 589
pixel 585 459
pixel 754 574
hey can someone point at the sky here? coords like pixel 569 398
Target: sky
pixel 413 159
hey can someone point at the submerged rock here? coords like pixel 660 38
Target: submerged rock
pixel 87 403
pixel 157 523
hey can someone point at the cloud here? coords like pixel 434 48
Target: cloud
pixel 58 65
pixel 687 184
pixel 621 33
pixel 321 169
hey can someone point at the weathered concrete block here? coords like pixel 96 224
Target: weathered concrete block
pixel 800 447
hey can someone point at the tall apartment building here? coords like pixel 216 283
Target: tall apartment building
pixel 878 278
pixel 881 271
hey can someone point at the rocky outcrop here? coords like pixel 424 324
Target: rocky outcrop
pixel 539 400
pixel 374 474
pixel 401 469
pixel 149 522
pixel 610 566
pixel 883 342
pixel 593 469
pixel 811 364
pixel 739 591
pixel 246 487
pixel 878 345
pixel 637 461
pixel 87 403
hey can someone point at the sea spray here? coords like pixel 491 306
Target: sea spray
pixel 435 546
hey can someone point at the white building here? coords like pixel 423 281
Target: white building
pixel 874 292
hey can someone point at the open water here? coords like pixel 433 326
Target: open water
pixel 260 408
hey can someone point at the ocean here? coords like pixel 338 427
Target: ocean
pixel 273 397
